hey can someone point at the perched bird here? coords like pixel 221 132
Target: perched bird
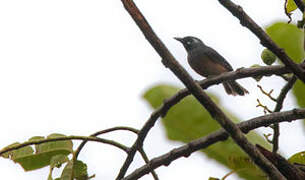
pixel 207 62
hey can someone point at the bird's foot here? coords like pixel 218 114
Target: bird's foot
pixel 211 76
pixel 239 69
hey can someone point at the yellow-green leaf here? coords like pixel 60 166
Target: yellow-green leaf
pixel 79 171
pixel 290 6
pixel 298 158
pixel 299 93
pixel 291 39
pixel 58 160
pixel 30 160
pixel 288 37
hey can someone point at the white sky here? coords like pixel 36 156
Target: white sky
pixel 76 67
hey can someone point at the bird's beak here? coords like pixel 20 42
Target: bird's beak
pixel 179 39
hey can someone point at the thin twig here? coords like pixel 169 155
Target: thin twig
pixel 144 156
pixel 119 128
pixel 230 173
pixel 32 142
pixel 233 75
pixel 77 151
pixel 266 109
pixel 265 40
pixel 267 93
pixel 278 107
pixel 286 11
pixel 280 99
pixel 220 135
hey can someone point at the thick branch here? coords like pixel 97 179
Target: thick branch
pixel 161 111
pixel 220 135
pixel 266 41
pixel 170 62
pixel 233 75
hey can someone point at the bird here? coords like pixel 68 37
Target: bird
pixel 207 62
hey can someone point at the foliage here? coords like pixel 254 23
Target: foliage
pixel 288 37
pixel 188 120
pixel 298 158
pixel 291 6
pixel 291 39
pixel 31 159
pixel 268 57
pixel 53 154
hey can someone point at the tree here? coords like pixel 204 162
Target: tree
pixel 53 150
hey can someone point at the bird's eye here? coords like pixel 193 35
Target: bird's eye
pixel 188 42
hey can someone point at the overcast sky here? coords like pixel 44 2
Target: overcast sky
pixel 76 67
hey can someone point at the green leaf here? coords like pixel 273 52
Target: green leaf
pixel 298 158
pixel 245 164
pixel 58 160
pixel 212 178
pixel 43 152
pixel 79 171
pixel 288 37
pixel 188 120
pixel 291 6
pixel 239 162
pixel 299 92
pixel 9 154
pixel 257 78
pixel 67 172
pixel 268 57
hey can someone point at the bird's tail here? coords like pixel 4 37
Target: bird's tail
pixel 233 88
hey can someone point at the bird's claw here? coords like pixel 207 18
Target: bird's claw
pixel 239 69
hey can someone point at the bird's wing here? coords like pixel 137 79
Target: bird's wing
pixel 212 54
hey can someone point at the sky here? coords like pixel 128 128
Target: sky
pixel 77 67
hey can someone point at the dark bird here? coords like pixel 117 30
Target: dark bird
pixel 208 62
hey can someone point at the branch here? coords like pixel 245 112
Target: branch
pixel 169 61
pixel 119 128
pixel 161 111
pixel 284 91
pixel 266 41
pixel 289 170
pixel 80 147
pixel 286 11
pixel 268 94
pixel 220 135
pixel 32 142
pixel 278 107
pixel 146 160
pixel 233 75
pixel 266 109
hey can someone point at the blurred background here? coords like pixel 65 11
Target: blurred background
pixel 77 67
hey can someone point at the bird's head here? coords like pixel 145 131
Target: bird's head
pixel 190 42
